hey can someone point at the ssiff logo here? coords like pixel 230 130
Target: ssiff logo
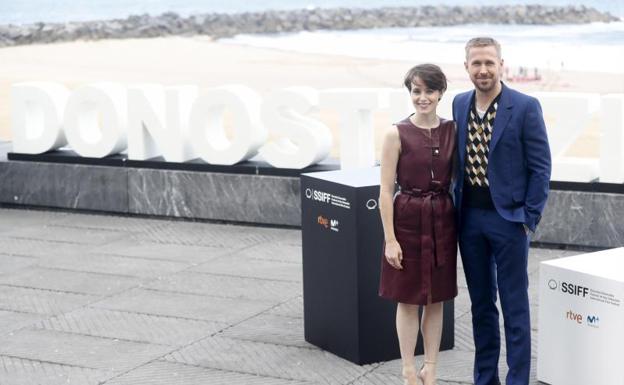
pixel 569 288
pixel 317 195
pixel 552 284
pixel 572 289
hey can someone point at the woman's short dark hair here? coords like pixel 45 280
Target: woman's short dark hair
pixel 430 74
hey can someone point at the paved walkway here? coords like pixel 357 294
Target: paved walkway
pixel 96 299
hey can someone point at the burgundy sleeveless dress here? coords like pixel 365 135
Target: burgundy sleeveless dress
pixel 424 222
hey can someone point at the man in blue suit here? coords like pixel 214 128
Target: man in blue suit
pixel 500 191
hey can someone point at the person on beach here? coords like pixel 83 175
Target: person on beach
pixel 419 263
pixel 502 184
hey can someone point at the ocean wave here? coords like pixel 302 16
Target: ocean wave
pixel 588 47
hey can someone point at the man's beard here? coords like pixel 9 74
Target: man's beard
pixel 487 88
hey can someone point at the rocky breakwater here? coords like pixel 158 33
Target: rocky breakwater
pixel 224 25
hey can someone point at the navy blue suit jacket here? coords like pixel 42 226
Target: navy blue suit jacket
pixel 519 163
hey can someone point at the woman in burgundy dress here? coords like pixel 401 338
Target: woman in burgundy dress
pixel 420 250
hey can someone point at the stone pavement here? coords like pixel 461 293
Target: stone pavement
pixel 97 299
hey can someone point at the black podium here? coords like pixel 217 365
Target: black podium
pixel 342 245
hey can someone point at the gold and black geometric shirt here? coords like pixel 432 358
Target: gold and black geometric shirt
pixel 478 143
pixel 477 191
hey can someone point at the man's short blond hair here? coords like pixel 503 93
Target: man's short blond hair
pixel 483 42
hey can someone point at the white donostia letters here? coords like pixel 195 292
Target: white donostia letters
pixel 95 120
pixel 36 116
pixel 400 104
pixel 612 139
pixel 356 106
pixel 567 114
pixel 230 124
pixel 155 122
pixel 208 134
pixel 300 140
pixel 445 107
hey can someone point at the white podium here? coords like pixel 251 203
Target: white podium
pixel 581 320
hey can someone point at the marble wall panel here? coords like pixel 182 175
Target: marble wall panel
pixel 5 173
pixel 6 183
pixel 570 218
pixel 232 197
pixel 65 185
pixel 582 219
pixel 5 147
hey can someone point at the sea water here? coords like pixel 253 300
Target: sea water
pixel 595 47
pixel 586 47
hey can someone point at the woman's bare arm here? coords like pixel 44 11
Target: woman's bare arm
pixel 390 151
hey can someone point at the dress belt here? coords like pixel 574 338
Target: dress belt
pixel 429 208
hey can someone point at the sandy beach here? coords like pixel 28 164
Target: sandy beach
pixel 205 63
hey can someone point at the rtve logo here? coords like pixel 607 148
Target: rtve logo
pixel 572 316
pixel 321 220
pixel 327 223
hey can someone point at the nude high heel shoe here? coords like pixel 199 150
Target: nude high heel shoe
pixel 421 375
pixel 410 377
